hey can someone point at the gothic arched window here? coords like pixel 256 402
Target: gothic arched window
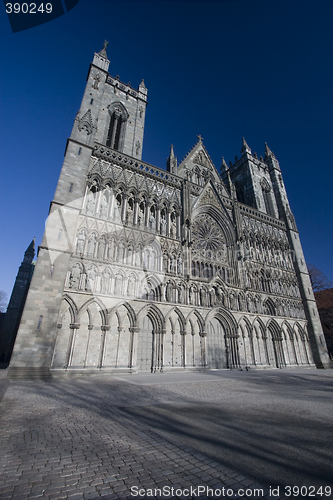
pixel 267 195
pixel 117 128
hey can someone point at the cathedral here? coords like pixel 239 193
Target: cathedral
pixel 146 270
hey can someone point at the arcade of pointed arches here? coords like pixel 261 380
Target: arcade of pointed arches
pixel 92 337
pixel 132 208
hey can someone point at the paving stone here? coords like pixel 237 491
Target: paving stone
pixel 92 450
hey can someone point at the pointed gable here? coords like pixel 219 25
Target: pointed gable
pixel 198 168
pixel 196 159
pixel 210 196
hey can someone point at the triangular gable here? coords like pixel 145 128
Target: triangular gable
pixel 198 167
pixel 139 181
pixel 198 156
pixel 128 177
pixel 117 172
pixel 209 196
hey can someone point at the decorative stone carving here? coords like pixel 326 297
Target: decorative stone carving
pixel 97 79
pixel 201 159
pixel 86 122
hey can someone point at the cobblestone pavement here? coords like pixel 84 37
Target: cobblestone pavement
pixel 68 438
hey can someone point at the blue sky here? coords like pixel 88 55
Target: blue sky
pixel 261 69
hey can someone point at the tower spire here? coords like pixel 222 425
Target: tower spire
pixel 103 51
pixel 101 58
pixel 31 248
pixel 30 252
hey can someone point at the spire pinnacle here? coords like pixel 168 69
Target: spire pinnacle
pixel 103 53
pixel 200 139
pixel 101 58
pixel 172 161
pixel 224 166
pixel 245 147
pixel 31 248
pixel 268 152
pixel 232 188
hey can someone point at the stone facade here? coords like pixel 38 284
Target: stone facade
pixel 146 269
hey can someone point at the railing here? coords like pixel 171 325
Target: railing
pixel 261 216
pixel 127 161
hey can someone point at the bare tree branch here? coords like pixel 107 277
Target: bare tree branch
pixel 318 279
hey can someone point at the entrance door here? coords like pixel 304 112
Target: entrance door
pixel 216 348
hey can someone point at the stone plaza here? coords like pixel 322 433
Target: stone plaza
pixel 99 436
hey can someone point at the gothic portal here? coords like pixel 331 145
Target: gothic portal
pixel 143 269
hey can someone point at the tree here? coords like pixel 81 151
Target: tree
pixel 3 301
pixel 318 279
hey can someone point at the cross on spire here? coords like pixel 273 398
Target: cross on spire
pixel 200 138
pixel 106 43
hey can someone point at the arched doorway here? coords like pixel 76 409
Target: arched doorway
pixel 277 338
pixel 222 340
pixel 150 339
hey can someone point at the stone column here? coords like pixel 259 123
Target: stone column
pixel 168 217
pixel 112 199
pixel 203 336
pixel 120 329
pixel 147 213
pixel 131 360
pixel 104 329
pixel 136 210
pixel 183 352
pixel 69 354
pixel 178 227
pixel 158 219
pixel 124 207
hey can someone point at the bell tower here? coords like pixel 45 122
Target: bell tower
pixel 112 113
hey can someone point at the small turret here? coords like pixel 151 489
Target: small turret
pixel 143 91
pixel 172 161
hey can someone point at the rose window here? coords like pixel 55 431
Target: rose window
pixel 207 235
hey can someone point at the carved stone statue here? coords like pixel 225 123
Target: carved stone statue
pixel 180 265
pixel 91 203
pixel 163 226
pixel 169 292
pixel 104 206
pixel 80 243
pixel 96 81
pixel 192 295
pixel 74 279
pixel 165 262
pixel 180 294
pixel 202 297
pixel 152 222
